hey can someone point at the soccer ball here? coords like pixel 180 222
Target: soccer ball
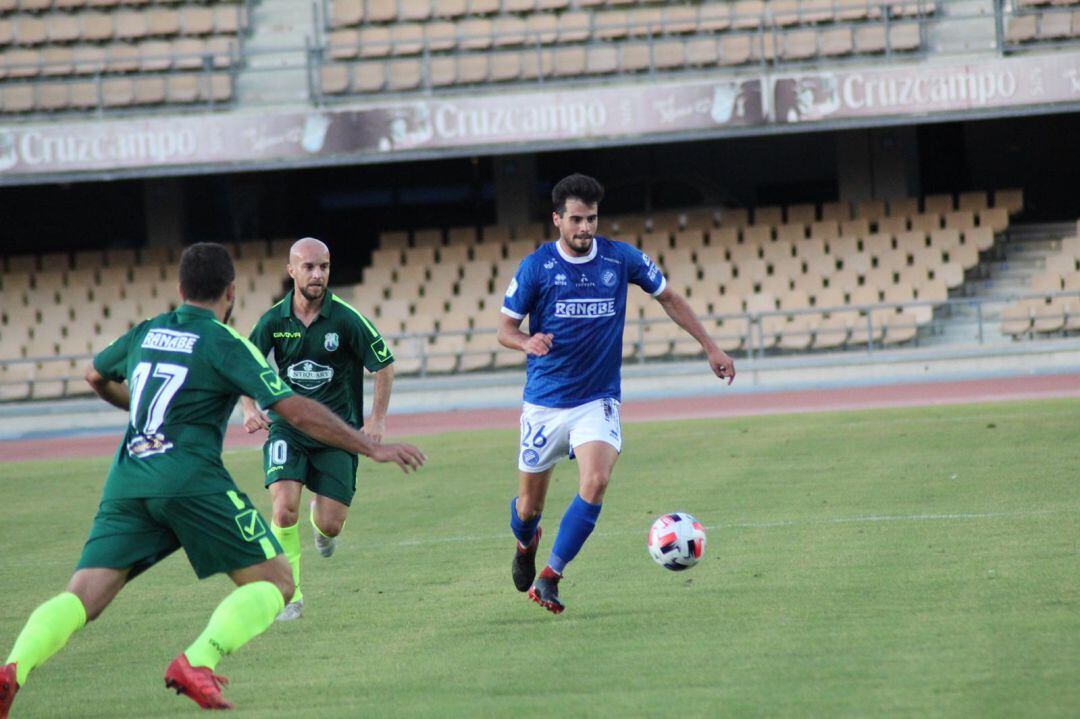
pixel 676 541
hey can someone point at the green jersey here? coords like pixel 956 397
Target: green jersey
pixel 184 371
pixel 324 360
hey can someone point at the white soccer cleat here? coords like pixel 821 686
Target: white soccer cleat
pixel 292 610
pixel 325 545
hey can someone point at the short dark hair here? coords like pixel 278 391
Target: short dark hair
pixel 578 186
pixel 205 272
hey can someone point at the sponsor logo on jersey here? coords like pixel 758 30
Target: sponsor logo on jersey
pixel 549 264
pixel 309 375
pixel 512 288
pixel 609 278
pixel 530 457
pixel 147 445
pixel 584 281
pixel 170 341
pixel 560 279
pixel 330 341
pixel 287 335
pixel 585 309
pixel 651 266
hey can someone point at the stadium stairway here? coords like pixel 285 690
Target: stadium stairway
pixel 963 26
pixel 276 69
pixel 1022 256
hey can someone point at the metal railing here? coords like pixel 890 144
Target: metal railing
pixel 955 322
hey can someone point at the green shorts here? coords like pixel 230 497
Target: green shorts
pixel 326 471
pixel 219 532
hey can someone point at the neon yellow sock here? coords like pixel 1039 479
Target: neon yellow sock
pixel 243 615
pixel 46 632
pixel 289 538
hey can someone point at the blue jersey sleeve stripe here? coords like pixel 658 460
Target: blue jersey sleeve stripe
pixel 662 287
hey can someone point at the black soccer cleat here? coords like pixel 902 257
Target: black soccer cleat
pixel 524 567
pixel 545 592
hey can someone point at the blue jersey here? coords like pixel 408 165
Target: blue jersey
pixel 581 301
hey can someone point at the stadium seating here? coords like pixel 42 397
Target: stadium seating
pixel 1058 309
pixel 81 54
pixel 403 45
pixel 795 279
pixel 1041 22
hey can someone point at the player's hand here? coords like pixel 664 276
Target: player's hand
pixel 254 421
pixel 405 456
pixel 376 429
pixel 539 344
pixel 722 365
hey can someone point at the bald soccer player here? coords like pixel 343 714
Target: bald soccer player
pixel 321 345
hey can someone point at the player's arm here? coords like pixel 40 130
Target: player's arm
pixel 679 310
pixel 254 418
pixel 375 427
pixel 511 336
pixel 319 423
pixel 113 392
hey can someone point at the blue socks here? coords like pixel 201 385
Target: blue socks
pixel 524 531
pixel 576 526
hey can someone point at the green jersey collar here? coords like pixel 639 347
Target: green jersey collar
pixel 286 304
pixel 197 311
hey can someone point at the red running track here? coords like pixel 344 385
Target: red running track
pixel 714 406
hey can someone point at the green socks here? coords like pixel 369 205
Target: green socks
pixel 289 539
pixel 46 632
pixel 241 616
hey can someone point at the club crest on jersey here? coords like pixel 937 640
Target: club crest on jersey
pixel 330 341
pixel 608 278
pixel 309 375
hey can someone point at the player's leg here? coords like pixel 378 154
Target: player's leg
pixel 286 469
pixel 596 438
pixel 225 533
pixel 545 440
pixel 525 511
pixel 333 480
pixel 123 542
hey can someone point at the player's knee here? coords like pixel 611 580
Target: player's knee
pixel 330 527
pixel 286 516
pixel 593 486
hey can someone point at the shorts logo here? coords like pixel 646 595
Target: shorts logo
pixel 251 525
pixel 309 375
pixel 330 341
pixel 608 278
pixel 530 457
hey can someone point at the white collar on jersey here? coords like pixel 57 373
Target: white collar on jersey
pixel 577 260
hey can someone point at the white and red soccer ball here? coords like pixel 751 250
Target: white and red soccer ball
pixel 676 541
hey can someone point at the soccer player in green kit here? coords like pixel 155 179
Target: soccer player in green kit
pixel 168 488
pixel 321 346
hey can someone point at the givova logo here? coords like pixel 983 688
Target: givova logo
pixel 309 375
pixel 585 309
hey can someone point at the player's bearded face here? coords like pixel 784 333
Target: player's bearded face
pixel 577 225
pixel 311 276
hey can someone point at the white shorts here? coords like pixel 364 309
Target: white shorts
pixel 548 434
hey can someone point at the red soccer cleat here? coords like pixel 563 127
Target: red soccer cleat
pixel 545 591
pixel 8 687
pixel 199 683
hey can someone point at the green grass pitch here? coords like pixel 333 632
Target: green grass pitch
pixel 917 562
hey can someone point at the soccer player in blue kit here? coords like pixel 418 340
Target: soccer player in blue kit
pixel 574 293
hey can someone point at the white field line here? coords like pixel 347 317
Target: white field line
pixel 864 519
